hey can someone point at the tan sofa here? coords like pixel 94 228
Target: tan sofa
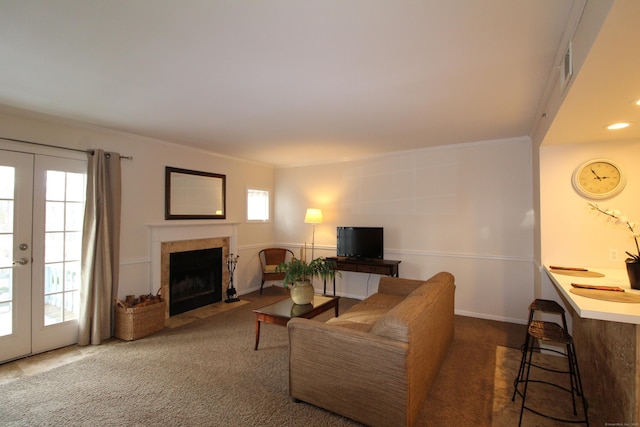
pixel 376 362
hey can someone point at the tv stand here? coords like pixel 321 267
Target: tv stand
pixel 385 267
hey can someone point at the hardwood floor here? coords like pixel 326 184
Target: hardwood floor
pixel 42 362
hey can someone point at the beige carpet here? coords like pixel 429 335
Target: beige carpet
pixel 202 373
pixel 543 398
pixel 206 373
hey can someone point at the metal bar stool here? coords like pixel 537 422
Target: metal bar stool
pixel 545 306
pixel 550 332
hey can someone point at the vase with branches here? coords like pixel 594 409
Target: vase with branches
pixel 619 219
pixel 633 261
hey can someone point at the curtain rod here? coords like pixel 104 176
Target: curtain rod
pixel 57 146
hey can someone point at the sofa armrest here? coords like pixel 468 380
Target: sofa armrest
pixel 341 370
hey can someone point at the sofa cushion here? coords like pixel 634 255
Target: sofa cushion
pixel 395 323
pixel 363 315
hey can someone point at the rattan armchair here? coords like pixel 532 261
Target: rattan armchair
pixel 270 258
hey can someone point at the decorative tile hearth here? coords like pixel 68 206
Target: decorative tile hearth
pixel 169 238
pixel 167 248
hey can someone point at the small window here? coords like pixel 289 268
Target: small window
pixel 257 205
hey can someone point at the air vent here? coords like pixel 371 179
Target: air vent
pixel 566 68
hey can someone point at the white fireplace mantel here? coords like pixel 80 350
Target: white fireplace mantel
pixel 189 230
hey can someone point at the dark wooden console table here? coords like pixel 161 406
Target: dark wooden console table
pixel 387 267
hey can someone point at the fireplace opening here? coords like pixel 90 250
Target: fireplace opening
pixel 195 279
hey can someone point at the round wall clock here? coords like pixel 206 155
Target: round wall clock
pixel 598 179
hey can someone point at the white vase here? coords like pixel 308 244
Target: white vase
pixel 302 292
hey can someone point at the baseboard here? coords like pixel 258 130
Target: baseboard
pixel 491 317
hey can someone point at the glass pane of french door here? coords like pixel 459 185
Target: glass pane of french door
pixel 64 213
pixel 58 217
pixel 7 201
pixel 16 189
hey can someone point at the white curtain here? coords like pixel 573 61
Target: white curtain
pixel 100 248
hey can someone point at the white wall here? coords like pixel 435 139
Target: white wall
pixel 466 209
pixel 573 234
pixel 143 190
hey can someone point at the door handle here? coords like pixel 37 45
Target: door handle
pixel 21 261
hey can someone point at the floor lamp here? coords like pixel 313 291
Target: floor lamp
pixel 313 216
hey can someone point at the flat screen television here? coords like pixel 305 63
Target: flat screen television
pixel 365 243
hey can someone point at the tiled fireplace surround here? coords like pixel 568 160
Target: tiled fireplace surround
pixel 168 238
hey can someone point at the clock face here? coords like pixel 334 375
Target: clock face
pixel 598 179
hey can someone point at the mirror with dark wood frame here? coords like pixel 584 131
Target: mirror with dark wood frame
pixel 193 194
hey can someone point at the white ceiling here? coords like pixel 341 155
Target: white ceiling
pixel 608 85
pixel 286 81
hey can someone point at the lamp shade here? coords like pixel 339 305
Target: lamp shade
pixel 313 216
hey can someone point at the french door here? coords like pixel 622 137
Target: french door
pixel 41 216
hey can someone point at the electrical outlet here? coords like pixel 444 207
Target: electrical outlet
pixel 614 255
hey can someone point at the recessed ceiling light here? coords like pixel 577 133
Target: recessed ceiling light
pixel 637 102
pixel 618 126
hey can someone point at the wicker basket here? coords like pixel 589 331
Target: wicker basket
pixel 132 323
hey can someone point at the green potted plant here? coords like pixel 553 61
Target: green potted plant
pixel 633 262
pixel 327 269
pixel 298 274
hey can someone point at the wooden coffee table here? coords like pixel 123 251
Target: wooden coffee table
pixel 281 312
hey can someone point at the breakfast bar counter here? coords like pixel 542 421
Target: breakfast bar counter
pixel 591 308
pixel 606 333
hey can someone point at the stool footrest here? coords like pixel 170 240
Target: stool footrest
pixel 562 420
pixel 549 331
pixel 558 386
pixel 539 350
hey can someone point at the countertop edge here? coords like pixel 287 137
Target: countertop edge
pixel 612 314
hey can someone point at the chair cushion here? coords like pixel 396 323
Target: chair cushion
pixel 270 268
